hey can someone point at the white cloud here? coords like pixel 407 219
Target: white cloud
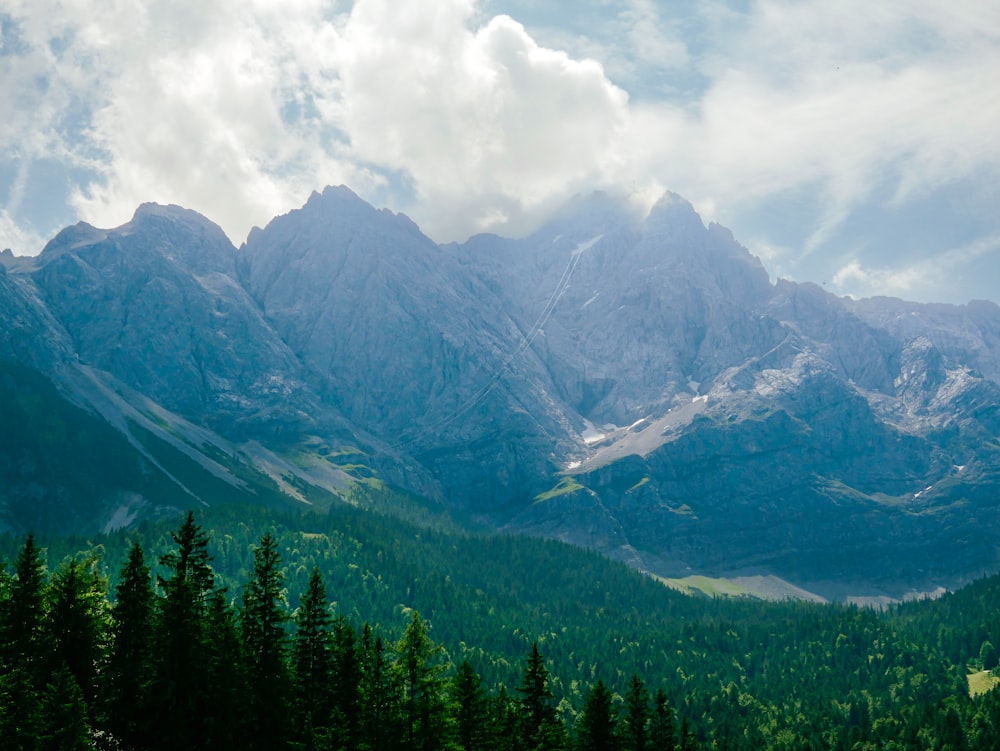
pixel 486 122
pixel 240 109
pixel 927 278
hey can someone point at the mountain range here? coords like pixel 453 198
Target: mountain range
pixel 627 381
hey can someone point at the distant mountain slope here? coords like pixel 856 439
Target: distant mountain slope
pixel 631 383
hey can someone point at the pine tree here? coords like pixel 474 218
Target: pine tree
pixel 635 725
pixel 22 642
pixel 346 712
pixel 312 665
pixel 662 733
pixel 77 626
pixel 262 632
pixel 380 696
pixel 65 726
pixel 421 664
pixel 472 709
pixel 503 728
pixel 21 714
pixel 596 728
pixel 23 653
pixel 129 672
pixel 539 725
pixel 225 725
pixel 180 688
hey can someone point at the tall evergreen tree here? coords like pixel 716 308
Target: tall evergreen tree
pixel 635 724
pixel 422 664
pixel 380 696
pixel 77 626
pixel 346 712
pixel 180 689
pixel 23 653
pixel 312 666
pixel 129 672
pixel 597 726
pixel 226 724
pixel 540 727
pixel 472 709
pixel 503 731
pixel 22 642
pixel 662 728
pixel 65 726
pixel 262 631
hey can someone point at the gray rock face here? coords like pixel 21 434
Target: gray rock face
pixel 631 383
pixel 420 354
pixel 156 304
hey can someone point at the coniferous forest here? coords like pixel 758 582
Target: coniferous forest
pixel 350 630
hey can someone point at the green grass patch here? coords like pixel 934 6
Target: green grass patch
pixel 982 681
pixel 707 585
pixel 566 485
pixel 639 484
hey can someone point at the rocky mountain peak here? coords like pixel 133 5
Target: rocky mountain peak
pixel 609 371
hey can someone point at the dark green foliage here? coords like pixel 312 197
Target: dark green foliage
pixel 128 677
pixel 345 688
pixel 312 667
pixel 381 696
pixel 988 655
pixel 22 616
pixel 662 732
pixel 540 728
pixel 472 709
pixel 180 666
pixel 225 724
pixel 77 624
pixel 635 723
pixel 262 632
pixel 180 688
pixel 422 664
pixel 64 712
pixel 597 726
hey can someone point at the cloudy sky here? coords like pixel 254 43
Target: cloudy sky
pixel 849 143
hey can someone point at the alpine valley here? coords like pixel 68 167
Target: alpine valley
pixel 629 383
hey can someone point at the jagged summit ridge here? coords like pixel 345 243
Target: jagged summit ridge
pixel 633 383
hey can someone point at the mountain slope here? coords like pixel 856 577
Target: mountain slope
pixel 632 383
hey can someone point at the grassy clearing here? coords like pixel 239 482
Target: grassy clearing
pixel 982 681
pixel 566 485
pixel 706 584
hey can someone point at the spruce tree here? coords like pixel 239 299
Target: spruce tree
pixel 180 690
pixel 226 724
pixel 597 726
pixel 662 732
pixel 23 653
pixel 635 724
pixel 262 631
pixel 540 727
pixel 421 664
pixel 65 726
pixel 472 709
pixel 346 712
pixel 129 673
pixel 380 696
pixel 22 642
pixel 312 666
pixel 77 626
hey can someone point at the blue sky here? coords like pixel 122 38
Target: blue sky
pixel 852 144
